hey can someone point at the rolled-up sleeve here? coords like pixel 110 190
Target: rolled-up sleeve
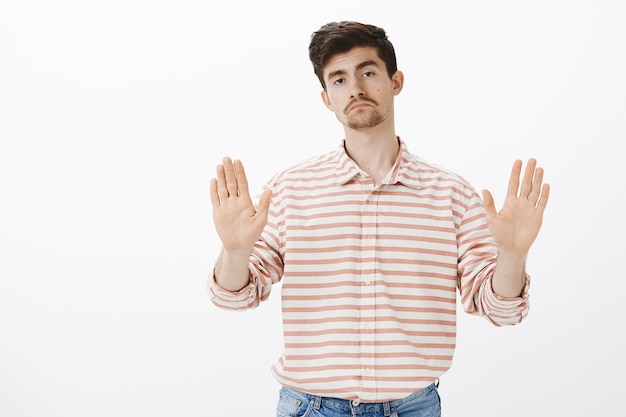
pixel 503 311
pixel 265 269
pixel 477 263
pixel 232 300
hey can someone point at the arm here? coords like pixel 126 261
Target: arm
pixel 237 222
pixel 515 227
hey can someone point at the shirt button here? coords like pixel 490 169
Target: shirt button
pixel 356 402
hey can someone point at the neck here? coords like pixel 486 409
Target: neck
pixel 374 152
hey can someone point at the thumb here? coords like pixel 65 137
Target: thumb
pixel 490 207
pixel 264 202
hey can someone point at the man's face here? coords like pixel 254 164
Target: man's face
pixel 358 89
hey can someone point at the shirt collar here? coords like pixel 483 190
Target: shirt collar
pixel 404 170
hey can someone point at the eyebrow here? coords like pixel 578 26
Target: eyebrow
pixel 358 67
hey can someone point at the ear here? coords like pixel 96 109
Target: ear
pixel 326 101
pixel 398 82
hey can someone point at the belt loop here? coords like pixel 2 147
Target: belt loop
pixel 318 402
pixel 387 408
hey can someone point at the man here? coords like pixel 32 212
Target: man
pixel 371 244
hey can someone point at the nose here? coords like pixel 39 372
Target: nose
pixel 357 89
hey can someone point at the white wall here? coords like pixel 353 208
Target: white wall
pixel 114 114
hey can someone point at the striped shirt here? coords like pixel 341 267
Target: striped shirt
pixel 370 275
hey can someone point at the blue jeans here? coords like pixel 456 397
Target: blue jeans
pixel 423 403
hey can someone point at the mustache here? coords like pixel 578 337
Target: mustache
pixel 358 101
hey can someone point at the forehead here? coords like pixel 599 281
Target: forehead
pixel 347 61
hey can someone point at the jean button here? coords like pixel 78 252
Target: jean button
pixel 356 402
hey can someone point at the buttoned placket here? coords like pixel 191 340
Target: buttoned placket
pixel 368 272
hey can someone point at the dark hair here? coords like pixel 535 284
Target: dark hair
pixel 339 37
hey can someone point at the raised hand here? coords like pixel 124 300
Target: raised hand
pixel 517 224
pixel 237 221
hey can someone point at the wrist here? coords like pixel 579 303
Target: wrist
pixel 509 278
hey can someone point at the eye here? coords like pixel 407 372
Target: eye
pixel 338 81
pixel 368 74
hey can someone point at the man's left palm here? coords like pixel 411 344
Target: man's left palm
pixel 517 224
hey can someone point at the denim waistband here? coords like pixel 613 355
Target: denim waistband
pixel 356 405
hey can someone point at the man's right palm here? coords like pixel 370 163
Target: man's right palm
pixel 237 221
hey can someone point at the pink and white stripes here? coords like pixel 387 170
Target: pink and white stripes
pixel 370 275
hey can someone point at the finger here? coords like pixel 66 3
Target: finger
pixel 513 187
pixel 533 197
pixel 242 180
pixel 527 182
pixel 264 203
pixel 215 197
pixel 230 178
pixel 543 200
pixel 488 202
pixel 221 182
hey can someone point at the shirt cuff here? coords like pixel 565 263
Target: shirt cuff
pixel 504 311
pixel 232 300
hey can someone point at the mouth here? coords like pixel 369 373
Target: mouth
pixel 358 105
